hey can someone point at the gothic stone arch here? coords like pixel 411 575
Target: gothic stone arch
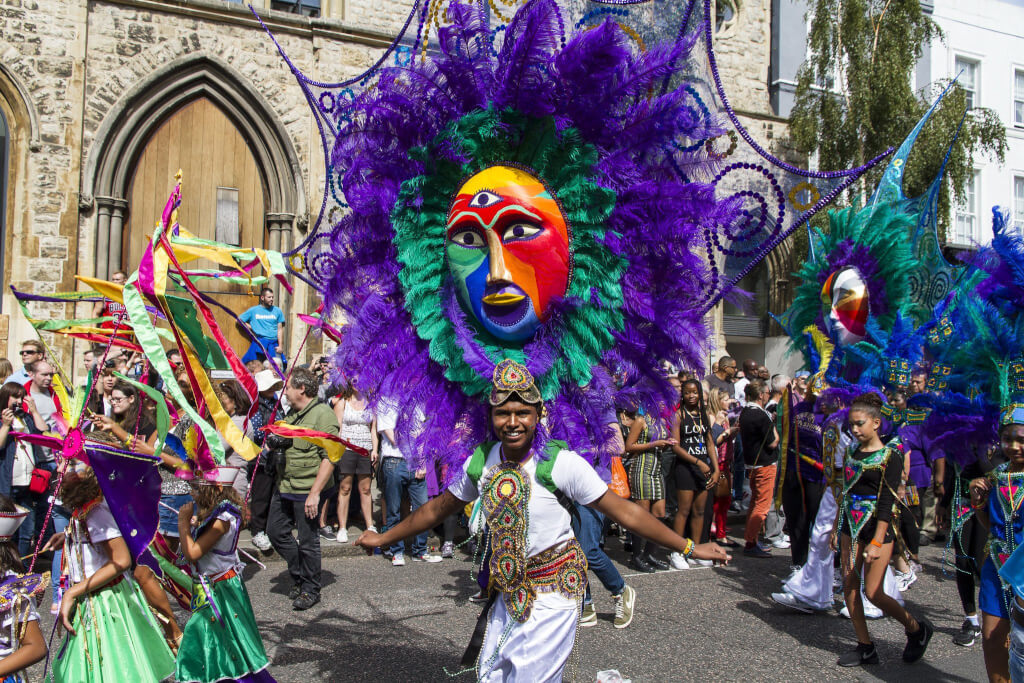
pixel 126 129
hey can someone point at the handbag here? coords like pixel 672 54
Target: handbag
pixel 40 481
pixel 620 482
pixel 722 488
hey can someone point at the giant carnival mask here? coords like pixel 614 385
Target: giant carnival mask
pixel 508 251
pixel 844 300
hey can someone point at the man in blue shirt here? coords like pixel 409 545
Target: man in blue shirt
pixel 265 320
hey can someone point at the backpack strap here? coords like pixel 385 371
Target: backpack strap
pixel 476 461
pixel 544 468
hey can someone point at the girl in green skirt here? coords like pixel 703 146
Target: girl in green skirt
pixel 222 641
pixel 111 634
pixel 21 642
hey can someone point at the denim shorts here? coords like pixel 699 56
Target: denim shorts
pixel 169 519
pixel 1016 652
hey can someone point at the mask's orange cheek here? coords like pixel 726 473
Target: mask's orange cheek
pixel 540 266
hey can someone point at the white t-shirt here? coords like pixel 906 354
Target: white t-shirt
pixel 7 620
pixel 223 555
pixel 550 524
pixel 740 388
pixel 100 525
pixel 24 462
pixel 387 418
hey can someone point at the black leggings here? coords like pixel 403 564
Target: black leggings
pixel 910 527
pixel 969 546
pixel 800 502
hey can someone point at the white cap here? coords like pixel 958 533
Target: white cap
pixel 225 475
pixel 267 379
pixel 10 521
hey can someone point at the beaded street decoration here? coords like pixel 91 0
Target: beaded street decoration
pixel 505 502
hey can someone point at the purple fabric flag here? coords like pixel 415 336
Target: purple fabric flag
pixel 131 487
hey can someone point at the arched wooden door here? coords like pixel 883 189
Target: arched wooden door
pixel 222 196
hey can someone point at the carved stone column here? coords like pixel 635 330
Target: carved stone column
pixel 110 217
pixel 279 225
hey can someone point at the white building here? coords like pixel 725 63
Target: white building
pixel 984 43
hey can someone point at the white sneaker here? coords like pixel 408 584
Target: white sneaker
pixel 427 557
pixel 703 563
pixel 261 541
pixel 791 601
pixel 781 543
pixel 870 612
pixel 398 560
pixel 342 536
pixel 904 580
pixel 678 561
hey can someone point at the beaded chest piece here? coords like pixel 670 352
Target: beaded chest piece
pixel 859 510
pixel 561 569
pixel 505 502
pixel 1008 489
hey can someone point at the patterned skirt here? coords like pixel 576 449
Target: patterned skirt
pixel 645 480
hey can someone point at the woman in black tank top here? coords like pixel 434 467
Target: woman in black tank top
pixel 696 470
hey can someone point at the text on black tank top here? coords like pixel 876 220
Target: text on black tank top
pixel 692 438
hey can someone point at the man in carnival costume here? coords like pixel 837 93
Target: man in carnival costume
pixel 537 569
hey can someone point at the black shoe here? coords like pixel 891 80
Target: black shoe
pixel 294 592
pixel 640 565
pixel 756 551
pixel 305 601
pixel 656 563
pixel 627 547
pixel 727 543
pixel 924 541
pixel 969 634
pixel 917 643
pixel 864 654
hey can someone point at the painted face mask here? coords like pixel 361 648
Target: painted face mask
pixel 844 298
pixel 508 251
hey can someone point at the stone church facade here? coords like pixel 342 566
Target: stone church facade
pixel 99 98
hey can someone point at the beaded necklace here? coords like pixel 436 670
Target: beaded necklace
pixel 1008 488
pixel 860 510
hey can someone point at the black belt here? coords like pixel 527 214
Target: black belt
pixel 1017 611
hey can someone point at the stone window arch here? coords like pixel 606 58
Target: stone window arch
pixel 19 135
pixel 129 125
pixel 726 16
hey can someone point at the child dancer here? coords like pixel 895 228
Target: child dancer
pixel 110 631
pixel 996 499
pixel 867 513
pixel 21 642
pixel 222 641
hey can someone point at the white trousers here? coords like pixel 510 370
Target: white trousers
pixel 813 583
pixel 535 651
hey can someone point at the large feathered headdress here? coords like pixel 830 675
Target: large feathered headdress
pixel 582 121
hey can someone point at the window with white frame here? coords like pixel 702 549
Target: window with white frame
pixel 969 71
pixel 965 225
pixel 1018 204
pixel 1018 98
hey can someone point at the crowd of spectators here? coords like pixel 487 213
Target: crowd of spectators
pixel 698 463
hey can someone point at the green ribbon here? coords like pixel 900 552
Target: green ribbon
pixel 163 417
pixel 146 335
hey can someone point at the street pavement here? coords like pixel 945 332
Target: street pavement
pixel 409 623
pixel 383 623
